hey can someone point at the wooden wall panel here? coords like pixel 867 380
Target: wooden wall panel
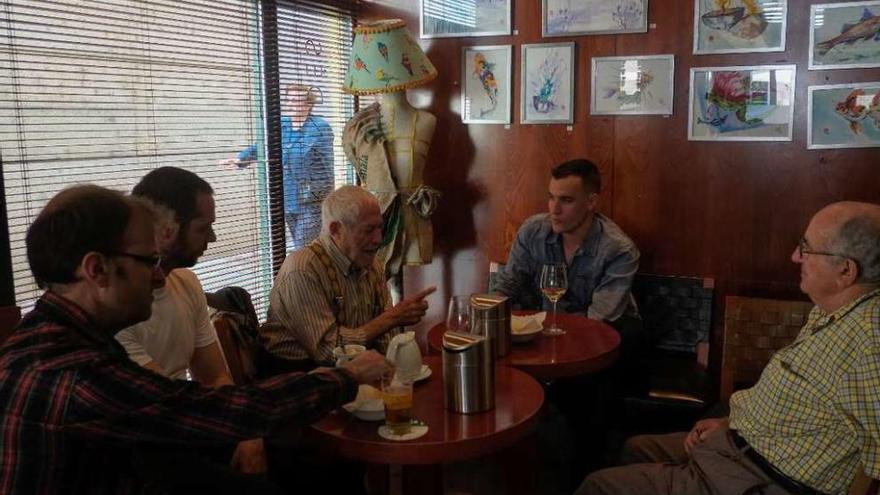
pixel 731 211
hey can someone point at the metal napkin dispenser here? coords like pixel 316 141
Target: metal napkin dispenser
pixel 490 317
pixel 468 373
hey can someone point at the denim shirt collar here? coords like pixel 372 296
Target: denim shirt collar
pixel 590 244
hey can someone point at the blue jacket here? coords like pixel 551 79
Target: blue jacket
pixel 307 158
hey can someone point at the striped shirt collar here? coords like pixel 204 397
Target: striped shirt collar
pixel 345 265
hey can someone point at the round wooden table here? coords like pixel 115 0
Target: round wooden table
pixel 586 347
pixel 451 436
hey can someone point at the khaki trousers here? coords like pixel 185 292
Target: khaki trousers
pixel 658 464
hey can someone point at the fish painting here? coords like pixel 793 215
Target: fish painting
pixel 484 71
pixel 746 21
pixel 855 109
pixel 383 49
pixel 866 29
pixel 730 97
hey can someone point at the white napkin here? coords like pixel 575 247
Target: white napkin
pixel 527 324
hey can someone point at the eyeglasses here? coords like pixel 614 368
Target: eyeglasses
pixel 803 249
pixel 153 262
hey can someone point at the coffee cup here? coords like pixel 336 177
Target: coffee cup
pixel 347 352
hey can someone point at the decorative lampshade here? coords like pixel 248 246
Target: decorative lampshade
pixel 386 58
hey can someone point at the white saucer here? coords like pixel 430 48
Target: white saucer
pixel 424 373
pixel 415 431
pixel 366 413
pixel 367 405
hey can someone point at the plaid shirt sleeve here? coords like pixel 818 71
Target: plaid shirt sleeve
pixel 123 402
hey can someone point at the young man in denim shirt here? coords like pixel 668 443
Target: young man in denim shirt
pixel 601 260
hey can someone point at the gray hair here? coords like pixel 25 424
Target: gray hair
pixel 859 239
pixel 344 205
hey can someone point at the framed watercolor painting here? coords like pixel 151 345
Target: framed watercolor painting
pixel 632 85
pixel 754 103
pixel 485 85
pixel 739 26
pixel 843 116
pixel 845 35
pixel 575 17
pixel 547 95
pixel 460 18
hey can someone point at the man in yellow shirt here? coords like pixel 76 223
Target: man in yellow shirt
pixel 813 417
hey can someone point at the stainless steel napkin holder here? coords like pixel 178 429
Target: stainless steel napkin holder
pixel 468 373
pixel 490 317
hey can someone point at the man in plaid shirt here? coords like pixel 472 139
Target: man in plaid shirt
pixel 813 417
pixel 72 405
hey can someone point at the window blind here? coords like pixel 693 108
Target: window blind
pixel 105 91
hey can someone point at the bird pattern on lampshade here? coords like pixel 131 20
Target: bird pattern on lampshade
pixel 386 58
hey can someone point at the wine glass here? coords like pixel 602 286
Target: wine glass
pixel 554 283
pixel 458 318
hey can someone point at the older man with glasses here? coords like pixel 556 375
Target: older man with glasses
pixel 813 417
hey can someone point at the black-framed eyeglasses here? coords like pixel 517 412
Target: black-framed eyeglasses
pixel 152 261
pixel 803 249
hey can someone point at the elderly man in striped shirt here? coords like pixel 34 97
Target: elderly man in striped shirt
pixel 813 417
pixel 333 292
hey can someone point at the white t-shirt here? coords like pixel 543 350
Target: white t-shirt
pixel 179 325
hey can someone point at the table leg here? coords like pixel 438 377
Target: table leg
pixel 422 479
pixel 520 461
pixel 377 479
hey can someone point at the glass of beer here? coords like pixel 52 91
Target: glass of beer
pixel 397 395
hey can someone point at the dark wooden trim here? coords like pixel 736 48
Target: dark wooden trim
pixel 273 131
pixel 7 288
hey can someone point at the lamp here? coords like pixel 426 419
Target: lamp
pixel 385 58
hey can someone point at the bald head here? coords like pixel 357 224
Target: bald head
pixel 854 231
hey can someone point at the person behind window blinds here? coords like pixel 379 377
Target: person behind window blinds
pixel 307 161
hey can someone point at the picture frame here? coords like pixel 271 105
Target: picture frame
pixel 582 17
pixel 739 26
pixel 637 85
pixel 841 116
pixel 486 75
pixel 547 83
pixel 842 35
pixel 437 18
pixel 742 103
